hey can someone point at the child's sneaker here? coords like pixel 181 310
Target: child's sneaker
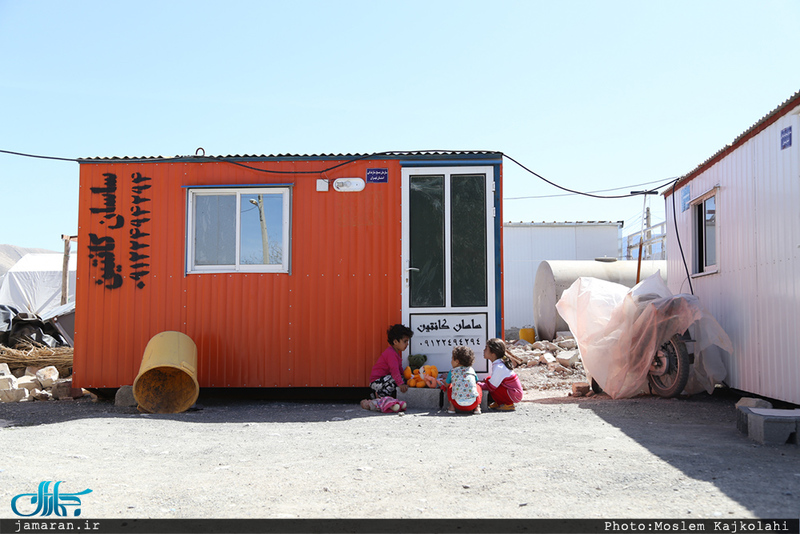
pixel 477 411
pixel 507 408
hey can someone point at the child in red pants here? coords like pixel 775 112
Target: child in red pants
pixel 461 384
pixel 503 384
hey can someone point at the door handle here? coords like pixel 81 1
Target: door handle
pixel 412 269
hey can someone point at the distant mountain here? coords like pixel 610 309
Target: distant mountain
pixel 10 254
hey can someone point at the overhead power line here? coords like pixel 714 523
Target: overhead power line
pixel 592 194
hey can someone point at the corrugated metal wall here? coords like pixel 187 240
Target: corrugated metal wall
pixel 755 296
pixel 526 245
pixel 323 325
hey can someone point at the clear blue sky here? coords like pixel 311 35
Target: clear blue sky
pixel 590 94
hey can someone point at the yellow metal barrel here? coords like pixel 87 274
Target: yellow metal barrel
pixel 167 379
pixel 528 334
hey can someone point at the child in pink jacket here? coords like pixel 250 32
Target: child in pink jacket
pixel 387 373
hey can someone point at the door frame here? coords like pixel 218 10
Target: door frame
pixel 459 315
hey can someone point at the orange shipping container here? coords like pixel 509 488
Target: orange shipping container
pixel 285 270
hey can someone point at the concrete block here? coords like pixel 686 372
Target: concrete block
pixel 63 388
pixel 124 397
pixel 429 399
pixel 8 382
pixel 47 376
pixel 547 358
pixel 4 370
pixel 773 429
pixel 568 358
pixel 29 382
pixel 13 395
pixel 39 395
pixel 420 398
pixel 31 370
pixel 568 344
pixel 742 413
pixel 752 402
pixel 580 389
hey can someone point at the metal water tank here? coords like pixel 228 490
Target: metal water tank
pixel 554 277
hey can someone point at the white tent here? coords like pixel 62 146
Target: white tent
pixel 33 284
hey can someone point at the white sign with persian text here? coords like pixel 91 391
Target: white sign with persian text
pixel 435 336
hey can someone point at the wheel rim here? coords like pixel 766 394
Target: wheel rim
pixel 667 357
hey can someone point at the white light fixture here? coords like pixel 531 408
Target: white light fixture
pixel 348 185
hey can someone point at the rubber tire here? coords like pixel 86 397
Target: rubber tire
pixel 679 357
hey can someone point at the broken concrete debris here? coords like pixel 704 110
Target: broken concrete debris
pixel 537 364
pixel 561 351
pixel 580 389
pixel 35 384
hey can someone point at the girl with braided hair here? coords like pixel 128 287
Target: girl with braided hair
pixel 503 384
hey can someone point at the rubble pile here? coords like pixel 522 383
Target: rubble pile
pixel 33 383
pixel 548 365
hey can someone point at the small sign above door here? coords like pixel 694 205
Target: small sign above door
pixel 377 176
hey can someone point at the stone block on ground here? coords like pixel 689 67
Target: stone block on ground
pixel 752 402
pixel 568 358
pixel 13 395
pixel 63 388
pixel 4 370
pixel 742 413
pixel 429 399
pixel 568 344
pixel 31 370
pixel 8 382
pixel 547 358
pixel 580 389
pixel 124 397
pixel 29 382
pixel 773 427
pixel 47 376
pixel 40 395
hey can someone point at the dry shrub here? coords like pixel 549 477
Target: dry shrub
pixel 35 355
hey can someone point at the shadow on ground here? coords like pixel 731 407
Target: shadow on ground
pixel 214 405
pixel 698 436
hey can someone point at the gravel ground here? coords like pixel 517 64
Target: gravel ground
pixel 555 457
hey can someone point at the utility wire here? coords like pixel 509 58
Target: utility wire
pixel 35 156
pixel 597 191
pixel 368 156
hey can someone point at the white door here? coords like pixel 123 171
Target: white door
pixel 448 261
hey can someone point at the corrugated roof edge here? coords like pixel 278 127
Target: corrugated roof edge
pixel 421 154
pixel 788 105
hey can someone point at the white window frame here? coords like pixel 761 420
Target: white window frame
pixel 697 204
pixel 194 192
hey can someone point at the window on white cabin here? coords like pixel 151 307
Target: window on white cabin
pixel 705 226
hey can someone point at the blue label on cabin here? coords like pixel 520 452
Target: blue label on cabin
pixel 786 137
pixel 686 198
pixel 377 176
